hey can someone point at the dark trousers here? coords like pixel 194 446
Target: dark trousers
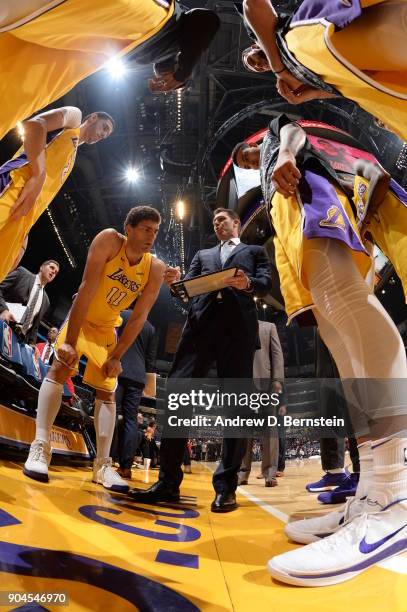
pixel 227 344
pixel 333 453
pixel 124 444
pixel 281 447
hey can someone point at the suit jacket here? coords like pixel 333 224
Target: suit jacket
pixel 253 260
pixel 16 288
pixel 140 357
pixel 268 360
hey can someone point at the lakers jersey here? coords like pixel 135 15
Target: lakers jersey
pixel 119 286
pixel 60 156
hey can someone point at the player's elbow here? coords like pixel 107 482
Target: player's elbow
pixel 256 8
pixel 35 124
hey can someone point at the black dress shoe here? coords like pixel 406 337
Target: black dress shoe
pixel 159 492
pixel 224 502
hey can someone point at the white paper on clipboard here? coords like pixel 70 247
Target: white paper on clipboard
pixel 17 310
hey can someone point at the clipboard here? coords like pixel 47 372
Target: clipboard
pixel 205 283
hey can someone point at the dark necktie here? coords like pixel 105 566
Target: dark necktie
pixel 29 312
pixel 47 353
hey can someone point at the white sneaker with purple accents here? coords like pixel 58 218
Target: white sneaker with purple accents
pixel 368 539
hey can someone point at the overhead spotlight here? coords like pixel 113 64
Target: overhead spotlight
pixel 116 68
pixel 132 174
pixel 180 206
pixel 264 306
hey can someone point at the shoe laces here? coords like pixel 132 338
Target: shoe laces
pixel 111 473
pixel 349 534
pixel 38 452
pixel 352 503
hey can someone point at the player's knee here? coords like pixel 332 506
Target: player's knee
pixel 58 372
pixel 106 397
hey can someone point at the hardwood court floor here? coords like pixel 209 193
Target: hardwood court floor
pixel 105 553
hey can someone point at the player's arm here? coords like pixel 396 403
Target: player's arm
pixel 35 140
pixel 104 246
pixel 286 175
pixel 136 322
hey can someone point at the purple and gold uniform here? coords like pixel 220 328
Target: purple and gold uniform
pixel 120 284
pixel 48 54
pixel 330 202
pixel 341 44
pixel 388 224
pixel 60 154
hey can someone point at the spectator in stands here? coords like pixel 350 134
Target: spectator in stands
pixel 136 379
pixel 23 288
pixel 46 349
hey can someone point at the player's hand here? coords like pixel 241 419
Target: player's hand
pixel 67 355
pixel 27 197
pixel 287 82
pixel 282 411
pixel 240 281
pixel 286 175
pixel 172 275
pixel 163 83
pixel 112 368
pixel 8 317
pixel 276 386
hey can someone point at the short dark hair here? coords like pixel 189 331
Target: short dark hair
pixel 48 261
pixel 231 213
pixel 236 149
pixel 141 213
pixel 101 115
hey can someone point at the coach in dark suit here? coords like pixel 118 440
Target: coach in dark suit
pixel 221 327
pixel 24 287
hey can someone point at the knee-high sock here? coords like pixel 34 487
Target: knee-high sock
pixel 389 483
pixel 105 418
pixel 366 469
pixel 49 403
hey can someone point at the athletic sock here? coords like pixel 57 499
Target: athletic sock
pixel 336 471
pixel 49 403
pixel 105 419
pixel 389 482
pixel 366 469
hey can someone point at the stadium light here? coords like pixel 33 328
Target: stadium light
pixel 180 209
pixel 132 174
pixel 116 68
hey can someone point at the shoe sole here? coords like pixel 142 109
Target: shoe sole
pixel 223 510
pixel 36 475
pixel 303 538
pixel 279 574
pixel 340 575
pixel 114 488
pixel 321 489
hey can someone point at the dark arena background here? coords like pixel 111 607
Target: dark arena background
pixel 98 549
